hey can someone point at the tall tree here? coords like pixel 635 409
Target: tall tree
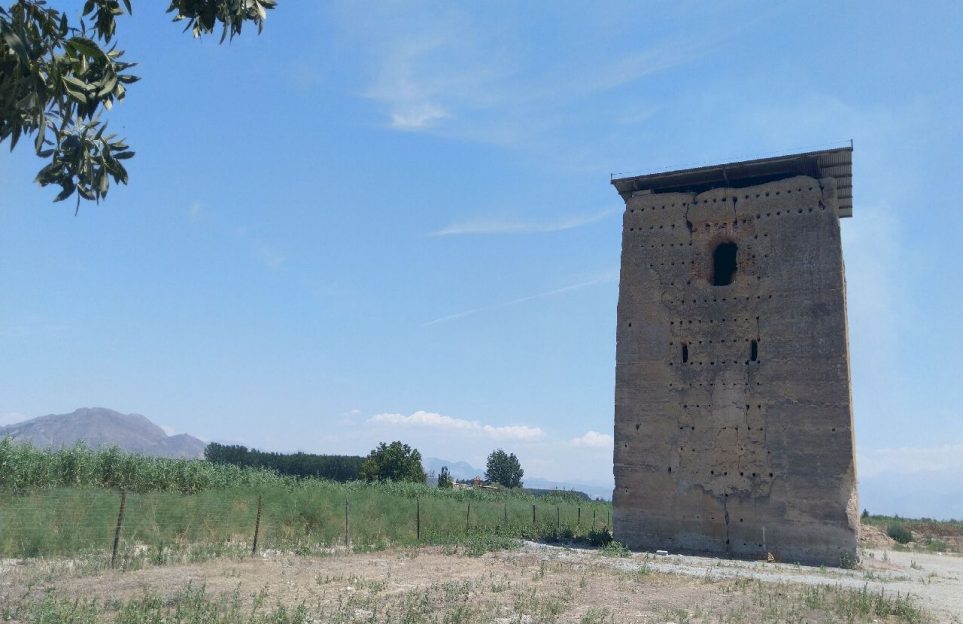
pixel 444 478
pixel 504 468
pixel 56 78
pixel 393 462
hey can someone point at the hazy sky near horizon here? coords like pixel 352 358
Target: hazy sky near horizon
pixel 394 221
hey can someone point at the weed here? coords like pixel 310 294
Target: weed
pixel 615 549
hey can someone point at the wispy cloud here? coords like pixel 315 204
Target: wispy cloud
pixel 440 422
pixel 195 210
pixel 505 225
pixel 947 459
pixel 593 439
pixel 602 279
pixel 268 255
pixel 458 73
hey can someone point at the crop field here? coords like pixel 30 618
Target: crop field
pixel 78 502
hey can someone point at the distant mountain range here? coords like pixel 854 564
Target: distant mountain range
pixel 464 470
pixel 98 427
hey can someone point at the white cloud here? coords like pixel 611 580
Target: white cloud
pixel 416 115
pixel 431 420
pixel 946 459
pixel 513 226
pixel 602 279
pixel 594 439
pixel 195 210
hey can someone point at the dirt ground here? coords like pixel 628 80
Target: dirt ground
pixel 532 584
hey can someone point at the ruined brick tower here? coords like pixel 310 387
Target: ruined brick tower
pixel 733 416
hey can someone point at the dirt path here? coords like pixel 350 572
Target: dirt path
pixel 536 583
pixel 935 580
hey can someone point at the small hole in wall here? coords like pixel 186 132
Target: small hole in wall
pixel 636 426
pixel 753 351
pixel 685 353
pixel 670 468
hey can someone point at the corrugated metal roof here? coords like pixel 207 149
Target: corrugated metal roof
pixel 835 163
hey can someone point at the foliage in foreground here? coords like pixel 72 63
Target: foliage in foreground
pixel 58 76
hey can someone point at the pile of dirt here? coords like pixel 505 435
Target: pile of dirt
pixel 874 537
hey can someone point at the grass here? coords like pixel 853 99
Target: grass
pixel 564 592
pixel 65 503
pixel 306 517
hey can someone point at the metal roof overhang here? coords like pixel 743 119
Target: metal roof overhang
pixel 835 163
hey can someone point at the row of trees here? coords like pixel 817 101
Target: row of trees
pixel 334 467
pixel 393 461
pixel 399 462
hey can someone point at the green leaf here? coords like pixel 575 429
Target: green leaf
pixel 85 46
pixel 68 187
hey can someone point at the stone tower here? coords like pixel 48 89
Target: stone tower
pixel 733 415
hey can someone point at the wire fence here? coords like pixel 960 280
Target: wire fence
pixel 160 525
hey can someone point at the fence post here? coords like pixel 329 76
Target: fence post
pixel 578 522
pixel 593 518
pixel 257 525
pixel 120 523
pixel 346 522
pixel 558 518
pixel 533 515
pixel 608 519
pixel 418 519
pixel 467 516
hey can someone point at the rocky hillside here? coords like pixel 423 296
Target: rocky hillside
pixel 99 427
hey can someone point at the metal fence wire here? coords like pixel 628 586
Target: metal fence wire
pixel 158 525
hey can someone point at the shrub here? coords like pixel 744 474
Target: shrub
pixel 599 537
pixel 899 533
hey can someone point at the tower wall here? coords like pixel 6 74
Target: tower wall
pixel 733 419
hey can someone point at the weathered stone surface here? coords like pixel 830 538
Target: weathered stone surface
pixel 733 421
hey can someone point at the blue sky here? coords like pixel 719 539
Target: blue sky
pixel 394 220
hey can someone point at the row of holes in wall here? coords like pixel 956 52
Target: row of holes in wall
pixel 710 321
pixel 724 224
pixel 724 199
pixel 712 473
pixel 744 544
pixel 710 384
pixel 753 352
pixel 723 341
pixel 684 244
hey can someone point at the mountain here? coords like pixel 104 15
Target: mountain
pixel 458 469
pixel 464 470
pixel 98 427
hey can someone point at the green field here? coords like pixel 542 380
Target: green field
pixel 67 503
